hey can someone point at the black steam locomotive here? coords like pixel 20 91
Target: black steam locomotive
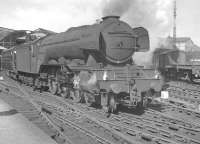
pixel 91 63
pixel 176 64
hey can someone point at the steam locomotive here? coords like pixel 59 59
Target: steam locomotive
pixel 175 64
pixel 90 63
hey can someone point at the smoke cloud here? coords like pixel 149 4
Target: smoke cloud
pixel 154 15
pixel 116 7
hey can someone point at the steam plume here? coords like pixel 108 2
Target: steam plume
pixel 116 7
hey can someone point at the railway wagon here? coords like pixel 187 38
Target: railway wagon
pixel 91 63
pixel 176 64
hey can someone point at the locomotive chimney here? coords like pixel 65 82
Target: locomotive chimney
pixel 110 17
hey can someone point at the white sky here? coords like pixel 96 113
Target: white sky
pixel 59 15
pixel 188 19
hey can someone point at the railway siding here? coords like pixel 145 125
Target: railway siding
pixel 151 127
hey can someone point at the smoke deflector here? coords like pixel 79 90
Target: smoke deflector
pixel 142 35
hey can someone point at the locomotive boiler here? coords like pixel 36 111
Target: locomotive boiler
pixel 110 42
pixel 91 62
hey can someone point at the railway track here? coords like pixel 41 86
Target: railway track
pixel 152 127
pixel 31 112
pixel 63 116
pixel 185 93
pixel 164 126
pixel 177 109
pixel 154 122
pixel 183 102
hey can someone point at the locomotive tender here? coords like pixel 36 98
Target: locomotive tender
pixel 91 63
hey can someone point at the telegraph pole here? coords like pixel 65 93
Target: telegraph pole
pixel 174 25
pixel 174 32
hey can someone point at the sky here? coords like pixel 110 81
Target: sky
pixel 188 19
pixel 59 15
